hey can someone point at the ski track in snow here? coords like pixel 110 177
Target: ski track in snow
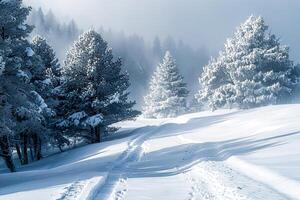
pixel 215 181
pixel 212 180
pixel 121 189
pixel 200 168
pixel 209 180
pixel 72 191
pixel 115 187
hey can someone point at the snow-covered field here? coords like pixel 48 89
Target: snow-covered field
pixel 252 154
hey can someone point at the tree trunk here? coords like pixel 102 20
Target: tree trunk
pixel 97 134
pixel 19 152
pixel 93 135
pixel 31 150
pixel 39 149
pixel 37 146
pixel 6 151
pixel 60 148
pixel 25 147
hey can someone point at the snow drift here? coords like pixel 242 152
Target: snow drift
pixel 250 154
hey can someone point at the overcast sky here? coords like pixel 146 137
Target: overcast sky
pixel 197 22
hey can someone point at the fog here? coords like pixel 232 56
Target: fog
pixel 140 31
pixel 139 58
pixel 196 22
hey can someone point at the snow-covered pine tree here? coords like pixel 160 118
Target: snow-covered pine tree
pixel 215 87
pixel 94 88
pixel 167 92
pixel 49 77
pixel 253 70
pixel 5 132
pixel 194 106
pixel 47 84
pixel 47 54
pixel 21 116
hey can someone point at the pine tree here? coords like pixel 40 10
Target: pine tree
pixel 253 70
pixel 215 85
pixel 167 92
pixel 95 88
pixel 48 84
pixel 47 54
pixel 5 132
pixel 49 77
pixel 21 106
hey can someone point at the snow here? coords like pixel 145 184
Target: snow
pixel 115 98
pixel 94 120
pixel 23 112
pixel 76 117
pixel 22 74
pixel 29 51
pixel 40 101
pixel 226 154
pixel 22 27
pixel 47 81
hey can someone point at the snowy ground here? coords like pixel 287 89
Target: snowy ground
pixel 252 154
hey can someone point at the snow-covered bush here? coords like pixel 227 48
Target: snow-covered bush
pixel 253 70
pixel 167 92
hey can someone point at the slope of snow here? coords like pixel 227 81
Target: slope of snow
pixel 251 154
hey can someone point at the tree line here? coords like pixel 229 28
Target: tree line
pixel 139 56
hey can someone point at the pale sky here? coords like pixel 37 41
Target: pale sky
pixel 197 22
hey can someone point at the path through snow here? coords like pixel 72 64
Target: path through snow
pixel 115 185
pixel 207 180
pixel 224 155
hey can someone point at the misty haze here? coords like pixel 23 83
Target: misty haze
pixel 149 99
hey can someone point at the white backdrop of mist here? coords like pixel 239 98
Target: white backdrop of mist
pixel 196 22
pixel 202 26
pixel 139 57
